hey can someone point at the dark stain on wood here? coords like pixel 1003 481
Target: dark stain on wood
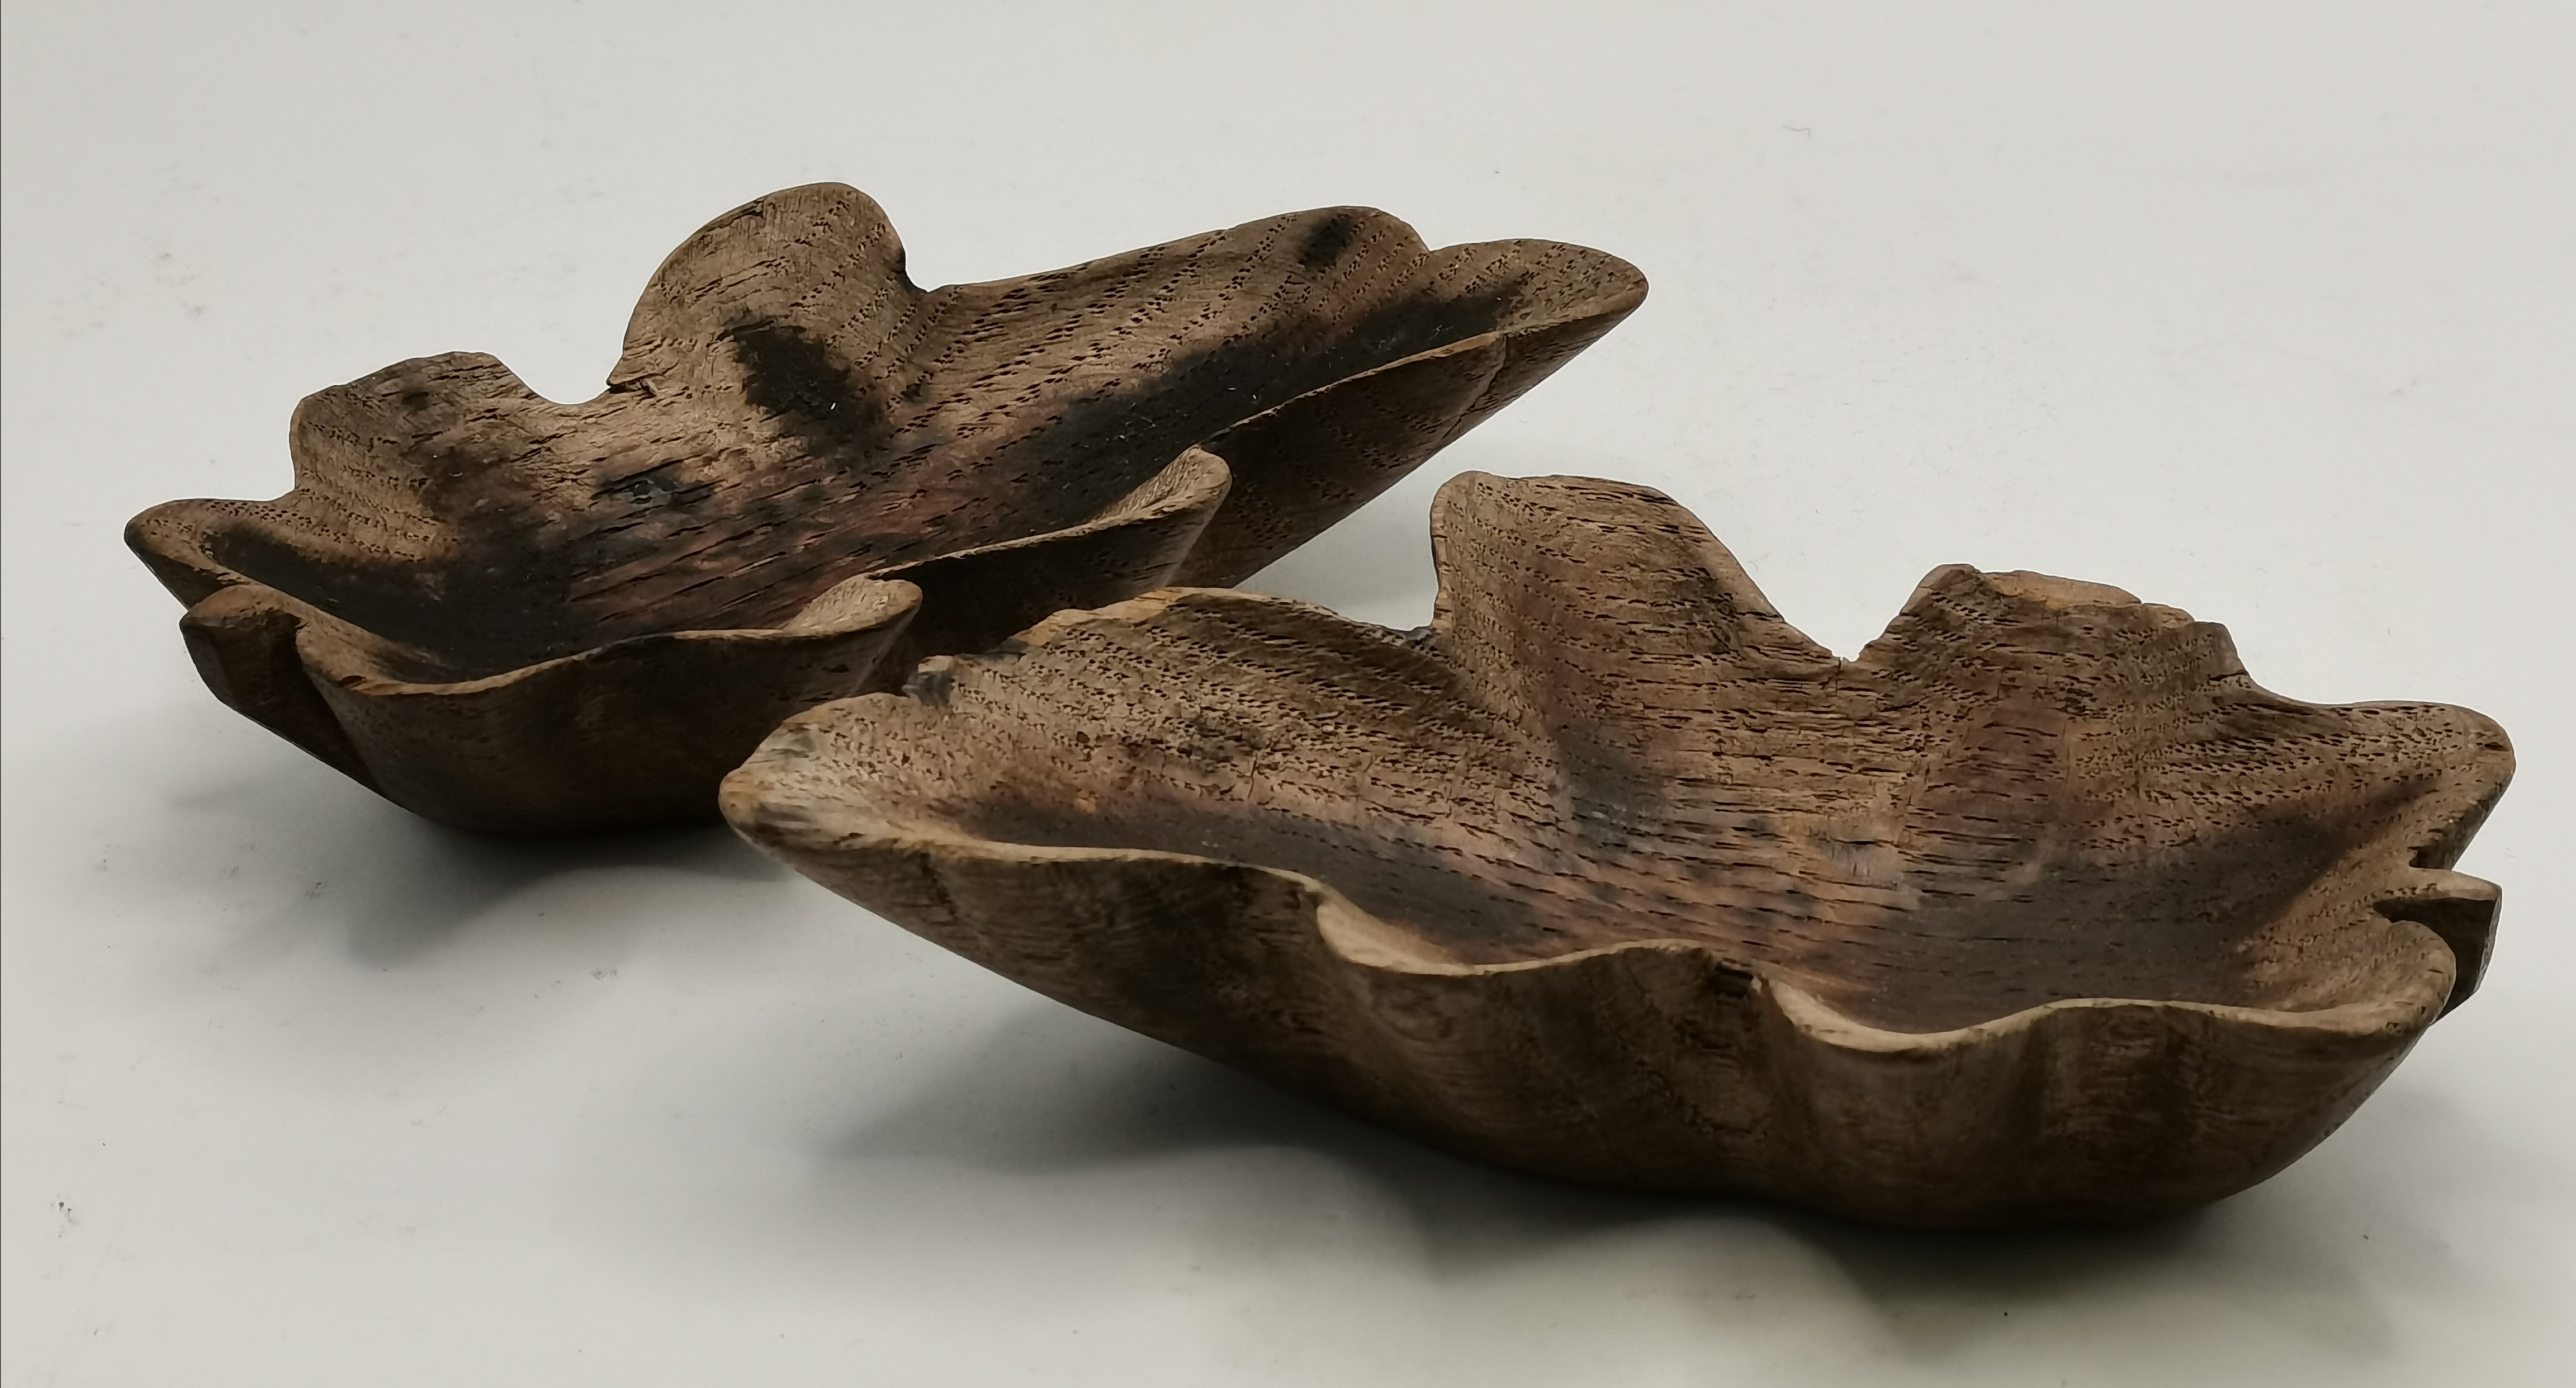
pixel 793 377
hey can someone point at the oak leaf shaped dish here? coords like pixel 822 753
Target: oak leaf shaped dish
pixel 805 473
pixel 2039 910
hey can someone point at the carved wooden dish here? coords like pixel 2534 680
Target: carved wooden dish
pixel 512 614
pixel 2039 910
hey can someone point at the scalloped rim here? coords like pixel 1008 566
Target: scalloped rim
pixel 1367 941
pixel 1197 480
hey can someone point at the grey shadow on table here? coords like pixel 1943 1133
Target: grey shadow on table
pixel 310 850
pixel 1054 1093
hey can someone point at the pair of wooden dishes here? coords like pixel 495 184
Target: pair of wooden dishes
pixel 2038 910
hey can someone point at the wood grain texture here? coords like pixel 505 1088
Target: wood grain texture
pixel 518 615
pixel 2038 910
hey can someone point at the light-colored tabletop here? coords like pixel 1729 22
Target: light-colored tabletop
pixel 2263 311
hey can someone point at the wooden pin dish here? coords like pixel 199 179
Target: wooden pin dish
pixel 2038 911
pixel 516 615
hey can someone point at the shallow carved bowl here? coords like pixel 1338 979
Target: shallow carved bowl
pixel 2038 910
pixel 513 614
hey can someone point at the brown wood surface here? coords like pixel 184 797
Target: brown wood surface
pixel 2037 910
pixel 513 614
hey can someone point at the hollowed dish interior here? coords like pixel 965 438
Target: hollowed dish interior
pixel 791 411
pixel 2029 790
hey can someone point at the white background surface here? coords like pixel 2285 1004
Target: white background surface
pixel 2259 310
